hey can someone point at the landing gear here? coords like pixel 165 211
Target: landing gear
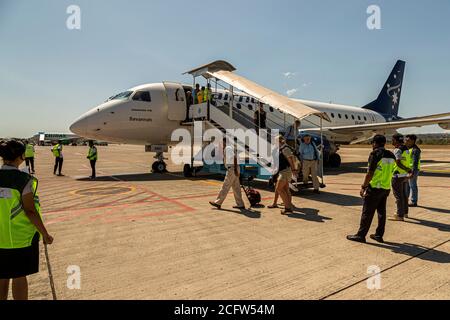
pixel 187 171
pixel 159 166
pixel 334 161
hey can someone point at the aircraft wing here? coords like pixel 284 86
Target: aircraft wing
pixel 374 127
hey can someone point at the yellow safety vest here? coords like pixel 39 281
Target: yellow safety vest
pixel 92 153
pixel 16 229
pixel 200 96
pixel 382 177
pixel 55 150
pixel 29 151
pixel 405 161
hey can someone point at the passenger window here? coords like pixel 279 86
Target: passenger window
pixel 270 109
pixel 226 97
pixel 332 115
pixel 365 119
pixel 250 107
pixel 339 115
pixel 346 116
pixel 142 96
pixel 248 100
pixel 353 117
pixel 359 118
pixel 239 106
pixel 220 96
pixel 240 98
pixel 253 100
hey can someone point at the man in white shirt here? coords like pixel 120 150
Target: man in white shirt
pixel 231 178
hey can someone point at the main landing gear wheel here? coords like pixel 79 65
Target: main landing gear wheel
pixel 334 160
pixel 159 167
pixel 187 171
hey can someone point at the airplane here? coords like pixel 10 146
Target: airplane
pixel 148 114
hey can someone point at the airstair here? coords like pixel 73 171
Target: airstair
pixel 223 117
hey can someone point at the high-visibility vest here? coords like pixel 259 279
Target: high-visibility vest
pixel 405 161
pixel 382 177
pixel 200 96
pixel 16 229
pixel 29 151
pixel 206 95
pixel 56 151
pixel 92 153
pixel 412 160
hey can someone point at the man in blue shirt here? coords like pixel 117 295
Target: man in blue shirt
pixel 309 155
pixel 291 134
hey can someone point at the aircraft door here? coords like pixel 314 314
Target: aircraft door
pixel 176 101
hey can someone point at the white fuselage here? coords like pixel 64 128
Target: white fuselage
pixel 151 121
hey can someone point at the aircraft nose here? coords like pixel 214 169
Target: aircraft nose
pixel 80 126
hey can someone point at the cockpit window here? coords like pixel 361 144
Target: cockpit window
pixel 143 96
pixel 122 95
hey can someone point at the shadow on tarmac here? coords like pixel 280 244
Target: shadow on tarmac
pixel 249 213
pixel 440 210
pixel 308 214
pixel 431 224
pixel 415 250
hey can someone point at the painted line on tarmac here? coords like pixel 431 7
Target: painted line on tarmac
pixel 384 270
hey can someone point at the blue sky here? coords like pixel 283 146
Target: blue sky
pixel 49 75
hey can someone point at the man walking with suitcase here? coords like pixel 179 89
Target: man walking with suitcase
pixel 231 178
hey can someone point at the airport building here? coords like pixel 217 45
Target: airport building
pixel 43 138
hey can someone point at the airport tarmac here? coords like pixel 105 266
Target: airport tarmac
pixel 136 235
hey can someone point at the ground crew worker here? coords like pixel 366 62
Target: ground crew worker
pixel 310 156
pixel 20 222
pixel 411 188
pixel 207 93
pixel 291 134
pixel 375 190
pixel 195 93
pixel 286 168
pixel 92 156
pixel 200 95
pixel 57 153
pixel 401 176
pixel 231 178
pixel 29 156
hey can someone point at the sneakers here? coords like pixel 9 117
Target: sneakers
pixel 356 238
pixel 412 204
pixel 396 217
pixel 376 238
pixel 218 206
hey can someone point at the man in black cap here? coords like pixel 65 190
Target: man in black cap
pixel 375 190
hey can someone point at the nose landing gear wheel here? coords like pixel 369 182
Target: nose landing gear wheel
pixel 159 167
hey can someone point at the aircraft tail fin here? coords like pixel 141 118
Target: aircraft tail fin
pixel 388 100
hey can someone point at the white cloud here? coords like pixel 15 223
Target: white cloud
pixel 289 74
pixel 291 92
pixel 306 84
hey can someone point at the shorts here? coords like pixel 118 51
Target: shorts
pixel 20 262
pixel 285 175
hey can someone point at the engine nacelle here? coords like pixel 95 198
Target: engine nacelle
pixel 445 126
